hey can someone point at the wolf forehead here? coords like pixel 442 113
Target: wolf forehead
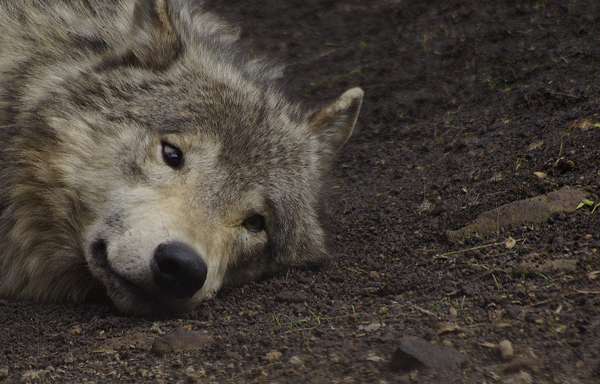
pixel 250 139
pixel 250 124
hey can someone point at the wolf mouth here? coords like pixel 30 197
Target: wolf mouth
pixel 144 300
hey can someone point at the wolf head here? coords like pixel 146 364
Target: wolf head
pixel 194 169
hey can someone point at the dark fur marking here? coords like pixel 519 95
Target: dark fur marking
pixel 11 97
pixel 135 171
pixel 95 44
pixel 115 221
pixel 99 252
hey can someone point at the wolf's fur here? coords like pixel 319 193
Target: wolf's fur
pixel 91 92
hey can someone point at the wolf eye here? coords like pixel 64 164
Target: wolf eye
pixel 172 155
pixel 255 223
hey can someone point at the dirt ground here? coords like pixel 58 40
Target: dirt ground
pixel 469 105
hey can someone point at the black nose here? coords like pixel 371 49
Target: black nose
pixel 178 270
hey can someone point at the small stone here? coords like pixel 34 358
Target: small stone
pixel 296 361
pixel 453 312
pixel 540 175
pixel 519 378
pixel 535 145
pixel 373 327
pixel 449 328
pixel 373 357
pixel 273 356
pixel 506 350
pixel 413 353
pixel 374 275
pixel 510 243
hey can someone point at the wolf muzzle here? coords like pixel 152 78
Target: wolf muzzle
pixel 178 270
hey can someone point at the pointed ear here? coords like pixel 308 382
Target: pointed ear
pixel 153 40
pixel 334 123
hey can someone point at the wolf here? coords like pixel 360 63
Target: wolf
pixel 144 157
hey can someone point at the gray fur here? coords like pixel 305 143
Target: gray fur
pixel 89 93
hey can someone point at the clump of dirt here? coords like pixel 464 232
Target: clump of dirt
pixel 469 106
pixel 533 210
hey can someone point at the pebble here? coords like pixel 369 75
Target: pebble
pixel 299 360
pixel 519 378
pixel 373 327
pixel 413 353
pixel 448 328
pixel 506 350
pixel 273 356
pixel 296 361
pixel 373 357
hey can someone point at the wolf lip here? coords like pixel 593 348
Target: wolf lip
pixel 146 301
pixel 99 252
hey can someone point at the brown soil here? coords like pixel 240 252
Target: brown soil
pixel 465 100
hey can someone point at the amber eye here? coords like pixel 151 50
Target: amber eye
pixel 172 155
pixel 255 223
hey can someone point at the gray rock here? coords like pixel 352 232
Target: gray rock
pixel 506 350
pixel 414 353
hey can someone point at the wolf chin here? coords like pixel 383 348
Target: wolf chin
pixel 144 157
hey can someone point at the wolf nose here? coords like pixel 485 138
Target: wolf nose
pixel 178 270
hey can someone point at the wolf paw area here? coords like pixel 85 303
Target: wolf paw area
pixel 350 191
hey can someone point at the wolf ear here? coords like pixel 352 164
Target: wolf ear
pixel 153 41
pixel 334 123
